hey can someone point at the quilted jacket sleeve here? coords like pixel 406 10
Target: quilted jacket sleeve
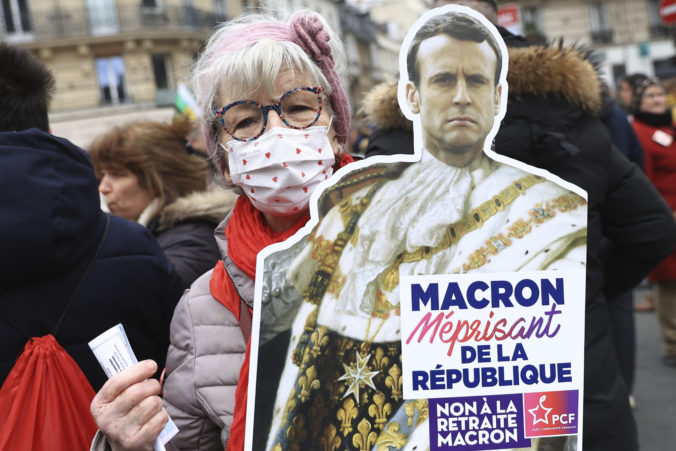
pixel 203 364
pixel 638 223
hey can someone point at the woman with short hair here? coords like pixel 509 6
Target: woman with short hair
pixel 146 175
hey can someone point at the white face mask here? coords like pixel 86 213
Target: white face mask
pixel 280 170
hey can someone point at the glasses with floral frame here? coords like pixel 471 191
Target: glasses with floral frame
pixel 246 120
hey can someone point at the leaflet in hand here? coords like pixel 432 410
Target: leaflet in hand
pixel 114 353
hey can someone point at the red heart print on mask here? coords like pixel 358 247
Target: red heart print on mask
pixel 274 179
pixel 267 154
pixel 302 174
pixel 252 191
pixel 319 150
pixel 307 136
pixel 297 150
pixel 305 189
pixel 244 162
pixel 248 177
pixel 285 165
pixel 320 163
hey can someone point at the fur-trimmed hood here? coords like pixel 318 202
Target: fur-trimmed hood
pixel 557 72
pixel 210 205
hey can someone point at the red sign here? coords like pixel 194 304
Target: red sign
pixel 508 15
pixel 667 11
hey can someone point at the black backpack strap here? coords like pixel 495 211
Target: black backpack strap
pixel 83 278
pixel 245 320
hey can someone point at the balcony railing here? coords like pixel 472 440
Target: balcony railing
pixel 60 23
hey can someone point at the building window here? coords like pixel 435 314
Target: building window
pixel 111 75
pixel 532 24
pixel 16 17
pixel 164 94
pixel 102 17
pixel 149 3
pixel 161 71
pixel 599 23
pixel 657 29
pixel 220 10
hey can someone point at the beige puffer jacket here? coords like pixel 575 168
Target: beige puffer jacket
pixel 207 349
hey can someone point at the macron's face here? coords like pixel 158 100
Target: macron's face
pixel 457 98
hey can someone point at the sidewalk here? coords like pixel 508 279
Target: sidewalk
pixel 654 389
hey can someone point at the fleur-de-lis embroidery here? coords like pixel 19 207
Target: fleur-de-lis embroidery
pixel 423 408
pixel 290 406
pixel 335 390
pixel 380 359
pixel 296 433
pixel 419 407
pixel 394 382
pixel 330 440
pixel 391 438
pixel 318 340
pixel 345 415
pixel 380 410
pixel 318 412
pixel 365 438
pixel 308 382
pixel 344 345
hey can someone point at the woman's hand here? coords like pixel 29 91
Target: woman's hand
pixel 128 409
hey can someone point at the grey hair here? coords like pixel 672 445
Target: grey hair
pixel 250 69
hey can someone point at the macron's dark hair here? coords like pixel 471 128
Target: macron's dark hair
pixel 26 88
pixel 456 25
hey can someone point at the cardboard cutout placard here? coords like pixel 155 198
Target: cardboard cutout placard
pixel 433 301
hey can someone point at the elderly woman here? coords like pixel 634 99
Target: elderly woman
pixel 147 176
pixel 654 127
pixel 277 120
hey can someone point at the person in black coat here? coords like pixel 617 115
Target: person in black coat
pixel 51 225
pixel 552 123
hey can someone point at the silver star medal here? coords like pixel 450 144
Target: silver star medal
pixel 357 376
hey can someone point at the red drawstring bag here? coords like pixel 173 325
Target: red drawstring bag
pixel 44 402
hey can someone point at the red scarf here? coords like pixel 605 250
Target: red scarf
pixel 247 234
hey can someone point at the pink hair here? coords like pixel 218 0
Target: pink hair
pixel 306 31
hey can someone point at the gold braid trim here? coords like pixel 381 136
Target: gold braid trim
pixel 329 262
pixel 459 229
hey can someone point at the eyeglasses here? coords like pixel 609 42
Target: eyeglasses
pixel 245 120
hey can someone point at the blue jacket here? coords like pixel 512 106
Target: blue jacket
pixel 50 227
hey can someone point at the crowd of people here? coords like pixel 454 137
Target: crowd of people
pixel 175 259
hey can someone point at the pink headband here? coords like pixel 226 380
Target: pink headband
pixel 309 34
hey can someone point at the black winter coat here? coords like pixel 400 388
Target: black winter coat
pixel 50 226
